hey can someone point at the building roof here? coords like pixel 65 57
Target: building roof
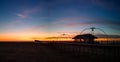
pixel 84 36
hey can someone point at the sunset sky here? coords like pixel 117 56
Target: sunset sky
pixel 29 19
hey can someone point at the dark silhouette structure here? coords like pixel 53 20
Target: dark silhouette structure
pixel 86 38
pixel 37 41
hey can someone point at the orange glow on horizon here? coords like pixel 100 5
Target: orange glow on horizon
pixel 70 39
pixel 31 37
pixel 21 36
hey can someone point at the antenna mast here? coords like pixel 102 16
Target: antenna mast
pixel 92 30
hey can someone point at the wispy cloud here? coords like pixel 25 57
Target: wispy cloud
pixel 21 16
pixel 87 21
pixel 28 12
pixel 80 21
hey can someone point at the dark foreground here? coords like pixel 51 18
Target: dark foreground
pixel 38 52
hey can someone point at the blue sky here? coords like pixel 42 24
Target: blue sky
pixel 34 17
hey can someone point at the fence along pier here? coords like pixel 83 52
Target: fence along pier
pixel 87 49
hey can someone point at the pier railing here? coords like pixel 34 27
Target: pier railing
pixel 87 49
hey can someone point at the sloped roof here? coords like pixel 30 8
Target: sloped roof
pixel 84 36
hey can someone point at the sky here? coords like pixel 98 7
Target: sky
pixel 28 19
